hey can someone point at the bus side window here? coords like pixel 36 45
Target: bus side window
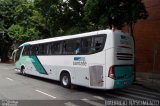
pixel 34 50
pixel 86 45
pixel 77 49
pixel 98 43
pixel 68 47
pixel 55 48
pixel 48 48
pixel 24 51
pixel 92 44
pixel 42 49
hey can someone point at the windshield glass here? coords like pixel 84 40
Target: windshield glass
pixel 18 53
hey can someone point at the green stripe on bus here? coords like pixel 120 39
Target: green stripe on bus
pixel 37 64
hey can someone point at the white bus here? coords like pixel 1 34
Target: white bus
pixel 101 59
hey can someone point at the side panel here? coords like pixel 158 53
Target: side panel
pixel 109 62
pixel 82 71
pixel 37 64
pixel 54 65
pixel 91 74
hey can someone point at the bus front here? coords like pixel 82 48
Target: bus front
pixel 119 60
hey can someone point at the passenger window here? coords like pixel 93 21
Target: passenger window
pixel 34 50
pixel 26 51
pixel 86 45
pixel 68 47
pixel 98 41
pixel 77 46
pixel 42 49
pixel 47 48
pixel 55 48
pixel 92 44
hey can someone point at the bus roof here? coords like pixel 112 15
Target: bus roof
pixel 65 37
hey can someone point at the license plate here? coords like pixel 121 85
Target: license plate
pixel 125 82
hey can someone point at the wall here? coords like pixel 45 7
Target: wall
pixel 147 37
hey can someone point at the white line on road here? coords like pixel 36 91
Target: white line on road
pixel 9 79
pixel 46 94
pixel 92 102
pixel 70 104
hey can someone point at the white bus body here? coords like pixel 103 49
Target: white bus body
pixel 105 60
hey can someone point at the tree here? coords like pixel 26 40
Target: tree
pixel 51 11
pixel 7 8
pixel 134 11
pixel 27 23
pixel 62 17
pixel 20 35
pixel 20 22
pixel 102 13
pixel 73 16
pixel 23 20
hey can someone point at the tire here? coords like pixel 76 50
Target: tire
pixel 22 71
pixel 65 80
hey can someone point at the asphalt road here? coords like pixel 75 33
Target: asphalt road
pixel 18 90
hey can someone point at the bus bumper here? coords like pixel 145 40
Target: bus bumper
pixel 123 83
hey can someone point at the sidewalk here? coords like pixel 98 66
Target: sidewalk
pixel 151 81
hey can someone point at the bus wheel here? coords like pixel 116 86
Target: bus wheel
pixel 22 70
pixel 65 80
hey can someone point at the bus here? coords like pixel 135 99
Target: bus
pixel 101 59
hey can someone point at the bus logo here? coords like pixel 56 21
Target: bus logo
pixel 124 37
pixel 79 58
pixel 125 40
pixel 80 61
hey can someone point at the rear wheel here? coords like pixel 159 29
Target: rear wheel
pixel 65 80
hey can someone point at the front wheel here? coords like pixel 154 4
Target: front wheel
pixel 65 80
pixel 22 71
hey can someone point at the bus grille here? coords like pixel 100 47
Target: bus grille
pixel 124 56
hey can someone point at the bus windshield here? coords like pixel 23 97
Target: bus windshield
pixel 18 53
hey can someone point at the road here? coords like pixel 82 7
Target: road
pixel 18 90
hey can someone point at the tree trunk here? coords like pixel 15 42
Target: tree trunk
pixel 130 30
pixel 4 53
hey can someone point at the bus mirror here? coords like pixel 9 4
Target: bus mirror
pixel 14 55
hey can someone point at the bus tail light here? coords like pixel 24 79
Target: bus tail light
pixel 111 72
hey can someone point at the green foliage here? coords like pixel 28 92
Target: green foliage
pixel 102 13
pixel 57 17
pixel 61 16
pixel 18 33
pixel 28 23
pixel 7 12
pixel 24 20
pixel 15 32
